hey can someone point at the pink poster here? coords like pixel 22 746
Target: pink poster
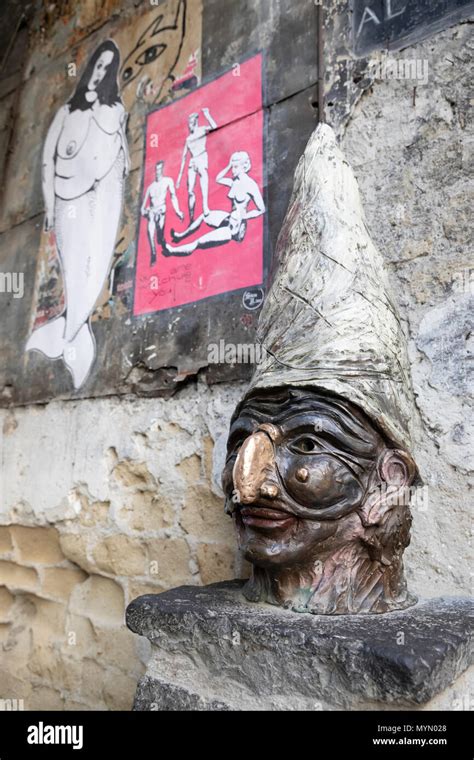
pixel 202 208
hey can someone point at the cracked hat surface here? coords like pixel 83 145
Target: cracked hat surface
pixel 329 320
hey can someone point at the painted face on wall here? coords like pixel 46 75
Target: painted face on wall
pixel 193 122
pixel 236 167
pixel 157 49
pixel 100 69
pixel 298 465
pixel 158 171
pixel 239 164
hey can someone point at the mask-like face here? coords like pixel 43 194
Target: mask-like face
pixel 100 69
pixel 298 466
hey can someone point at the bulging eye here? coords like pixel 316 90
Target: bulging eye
pixel 305 444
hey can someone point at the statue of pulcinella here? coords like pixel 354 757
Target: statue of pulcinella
pixel 319 472
pixel 318 480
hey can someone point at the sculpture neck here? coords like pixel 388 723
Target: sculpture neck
pixel 345 581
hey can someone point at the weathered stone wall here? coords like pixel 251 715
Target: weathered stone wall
pixel 411 146
pixel 105 499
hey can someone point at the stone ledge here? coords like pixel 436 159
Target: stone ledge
pixel 214 650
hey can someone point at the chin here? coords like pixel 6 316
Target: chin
pixel 266 549
pixel 264 552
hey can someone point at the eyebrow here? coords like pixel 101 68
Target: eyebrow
pixel 341 430
pixel 332 429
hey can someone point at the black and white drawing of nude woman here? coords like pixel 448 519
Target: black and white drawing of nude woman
pixel 85 161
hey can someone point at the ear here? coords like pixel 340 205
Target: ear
pixel 396 472
pixel 396 468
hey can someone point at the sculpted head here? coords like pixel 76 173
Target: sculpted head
pixel 320 503
pixel 318 473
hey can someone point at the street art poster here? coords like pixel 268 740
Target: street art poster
pixel 93 146
pixel 201 229
pixel 85 162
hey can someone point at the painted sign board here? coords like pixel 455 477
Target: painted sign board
pixel 392 24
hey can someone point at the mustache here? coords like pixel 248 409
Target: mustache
pixel 285 505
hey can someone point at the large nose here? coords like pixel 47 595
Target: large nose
pixel 254 473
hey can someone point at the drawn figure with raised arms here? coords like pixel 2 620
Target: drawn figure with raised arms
pixel 227 225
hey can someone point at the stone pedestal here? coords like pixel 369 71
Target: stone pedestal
pixel 213 650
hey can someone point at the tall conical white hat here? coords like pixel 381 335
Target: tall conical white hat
pixel 329 320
